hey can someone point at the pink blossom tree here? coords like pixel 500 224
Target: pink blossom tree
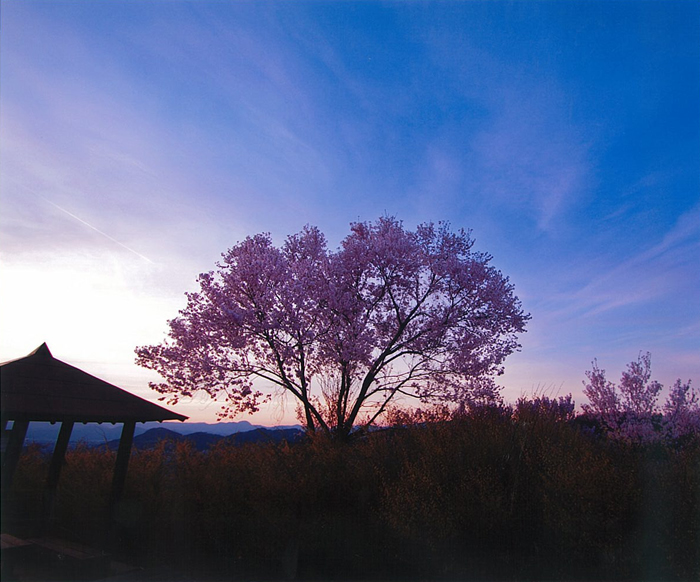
pixel 390 313
pixel 682 411
pixel 630 411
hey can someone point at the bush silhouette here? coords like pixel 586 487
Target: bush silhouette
pixel 493 493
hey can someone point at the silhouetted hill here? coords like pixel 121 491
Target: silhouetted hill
pixel 265 435
pixel 204 440
pixel 150 438
pixel 93 433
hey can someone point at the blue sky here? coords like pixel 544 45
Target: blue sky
pixel 139 140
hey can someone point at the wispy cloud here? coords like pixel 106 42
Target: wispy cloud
pixel 602 306
pixel 528 156
pixel 666 267
pixel 97 230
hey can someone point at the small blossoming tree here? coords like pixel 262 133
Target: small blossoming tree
pixel 391 312
pixel 682 411
pixel 629 411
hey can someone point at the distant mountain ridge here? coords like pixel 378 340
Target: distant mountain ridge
pixel 93 433
pixel 205 440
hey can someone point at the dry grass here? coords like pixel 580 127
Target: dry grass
pixel 482 496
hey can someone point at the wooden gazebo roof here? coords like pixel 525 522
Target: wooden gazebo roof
pixel 39 387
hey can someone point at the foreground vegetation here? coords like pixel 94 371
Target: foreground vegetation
pixel 497 493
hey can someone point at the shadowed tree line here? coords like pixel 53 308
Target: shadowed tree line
pixel 528 491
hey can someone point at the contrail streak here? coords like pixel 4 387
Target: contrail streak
pixel 97 230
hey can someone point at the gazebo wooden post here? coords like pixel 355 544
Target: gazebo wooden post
pixel 5 433
pixel 57 459
pixel 12 453
pixel 121 465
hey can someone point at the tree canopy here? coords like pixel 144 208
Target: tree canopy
pixel 391 312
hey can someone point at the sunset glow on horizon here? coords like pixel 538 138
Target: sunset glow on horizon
pixel 140 140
